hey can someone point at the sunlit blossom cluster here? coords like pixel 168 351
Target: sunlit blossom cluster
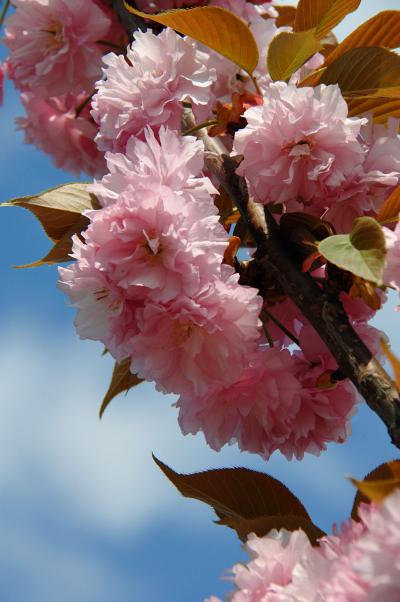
pixel 359 563
pixel 148 86
pixel 301 149
pixel 149 281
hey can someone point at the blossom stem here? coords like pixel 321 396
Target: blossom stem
pixel 111 45
pixel 257 87
pixel 199 126
pixel 83 104
pixel 282 327
pixel 4 10
pixel 267 333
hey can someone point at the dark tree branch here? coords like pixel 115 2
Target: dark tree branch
pixel 128 21
pixel 324 311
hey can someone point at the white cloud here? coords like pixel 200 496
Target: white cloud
pixel 101 472
pixel 35 568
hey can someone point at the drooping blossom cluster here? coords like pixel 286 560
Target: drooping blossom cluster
pixel 148 280
pixel 54 126
pixel 360 563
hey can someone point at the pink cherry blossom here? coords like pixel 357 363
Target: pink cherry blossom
pixel 147 87
pixel 196 344
pixel 257 411
pixel 359 563
pixel 173 162
pixel 299 145
pixel 288 314
pixel 365 567
pixel 54 126
pixel 365 190
pixel 150 250
pixel 104 313
pixel 273 560
pixel 357 309
pixel 277 403
pixel 54 45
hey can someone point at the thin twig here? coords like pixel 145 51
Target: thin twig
pixel 281 326
pixel 199 126
pixel 3 12
pixel 84 103
pixel 111 45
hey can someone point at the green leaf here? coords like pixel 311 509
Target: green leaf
pixel 362 252
pixel 244 499
pixel 289 51
pixel 122 380
pixel 213 26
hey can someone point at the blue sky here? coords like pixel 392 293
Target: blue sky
pixel 85 515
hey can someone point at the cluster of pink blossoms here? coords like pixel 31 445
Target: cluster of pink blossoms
pixel 149 280
pixel 301 149
pixel 56 49
pixel 360 563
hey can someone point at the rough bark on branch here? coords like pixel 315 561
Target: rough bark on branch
pixel 324 311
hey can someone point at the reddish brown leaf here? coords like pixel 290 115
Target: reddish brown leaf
pixel 363 70
pixel 213 26
pixel 58 208
pixel 231 250
pixel 286 16
pixel 262 525
pixel 381 30
pixel 122 380
pixel 239 495
pixel 391 208
pixel 61 251
pixel 323 15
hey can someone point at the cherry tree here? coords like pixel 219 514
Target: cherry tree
pixel 238 232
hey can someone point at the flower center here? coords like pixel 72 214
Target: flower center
pixel 152 243
pixel 55 39
pixel 183 329
pixel 300 149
